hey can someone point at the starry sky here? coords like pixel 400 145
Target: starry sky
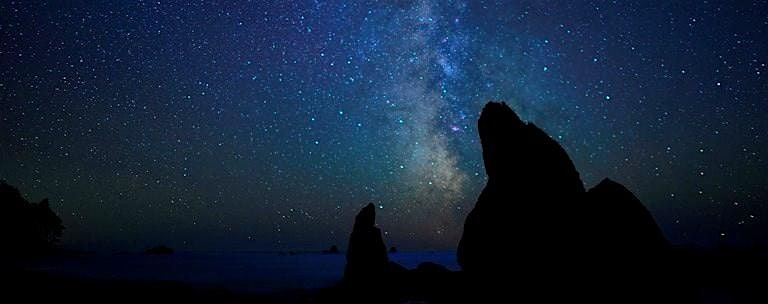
pixel 266 125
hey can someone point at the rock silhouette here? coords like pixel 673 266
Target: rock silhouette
pixel 534 232
pixel 370 277
pixel 529 200
pixel 535 202
pixel 26 228
pixel 366 254
pixel 534 221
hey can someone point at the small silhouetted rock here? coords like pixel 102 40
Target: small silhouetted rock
pixel 369 276
pixel 160 250
pixel 393 249
pixel 332 250
pixel 366 254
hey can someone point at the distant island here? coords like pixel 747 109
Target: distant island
pixel 159 250
pixel 333 250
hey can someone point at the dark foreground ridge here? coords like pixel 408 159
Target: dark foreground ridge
pixel 536 235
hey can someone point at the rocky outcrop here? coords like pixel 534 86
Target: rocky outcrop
pixel 534 233
pixel 366 254
pixel 527 203
pixel 534 214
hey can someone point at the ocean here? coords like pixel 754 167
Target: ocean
pixel 247 272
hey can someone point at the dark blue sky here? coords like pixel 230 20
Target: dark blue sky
pixel 259 125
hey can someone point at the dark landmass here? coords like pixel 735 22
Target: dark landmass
pixel 26 229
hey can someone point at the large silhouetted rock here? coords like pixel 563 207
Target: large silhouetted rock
pixel 367 254
pixel 526 207
pixel 534 216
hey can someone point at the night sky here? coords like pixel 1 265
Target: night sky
pixel 268 125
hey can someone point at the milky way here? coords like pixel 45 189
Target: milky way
pixel 268 125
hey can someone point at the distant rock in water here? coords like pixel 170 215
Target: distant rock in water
pixel 366 254
pixel 370 277
pixel 332 250
pixel 159 250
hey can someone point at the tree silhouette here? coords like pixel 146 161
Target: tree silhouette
pixel 26 228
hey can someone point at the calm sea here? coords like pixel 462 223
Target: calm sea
pixel 240 271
